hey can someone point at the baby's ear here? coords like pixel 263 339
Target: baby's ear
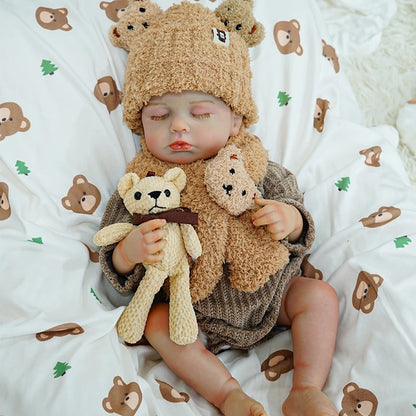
pixel 127 182
pixel 177 176
pixel 237 120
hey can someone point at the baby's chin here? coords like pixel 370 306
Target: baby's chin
pixel 184 157
pixel 180 158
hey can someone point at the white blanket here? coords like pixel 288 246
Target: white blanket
pixel 65 141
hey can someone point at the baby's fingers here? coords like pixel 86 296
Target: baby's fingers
pixel 155 236
pixel 151 225
pixel 266 215
pixel 153 258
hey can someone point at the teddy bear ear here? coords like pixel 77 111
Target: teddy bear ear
pixel 127 182
pixel 177 176
pixel 240 12
pixel 137 17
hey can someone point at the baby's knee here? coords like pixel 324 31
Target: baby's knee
pixel 313 292
pixel 323 291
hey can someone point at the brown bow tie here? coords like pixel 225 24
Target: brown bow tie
pixel 179 215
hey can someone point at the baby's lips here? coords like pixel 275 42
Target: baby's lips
pixel 180 145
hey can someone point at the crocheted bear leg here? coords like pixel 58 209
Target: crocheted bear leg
pixel 183 328
pixel 132 321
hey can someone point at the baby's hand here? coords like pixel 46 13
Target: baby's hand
pixel 146 242
pixel 281 220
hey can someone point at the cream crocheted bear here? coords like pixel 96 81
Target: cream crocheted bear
pixel 154 196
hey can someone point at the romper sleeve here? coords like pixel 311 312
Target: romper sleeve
pixel 280 185
pixel 115 212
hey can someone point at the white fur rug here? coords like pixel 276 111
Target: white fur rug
pixel 385 79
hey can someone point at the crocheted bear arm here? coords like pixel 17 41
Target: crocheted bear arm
pixel 115 212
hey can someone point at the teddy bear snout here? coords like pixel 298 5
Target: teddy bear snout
pixel 228 189
pixel 154 194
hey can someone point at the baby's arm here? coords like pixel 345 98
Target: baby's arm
pixel 144 244
pixel 281 220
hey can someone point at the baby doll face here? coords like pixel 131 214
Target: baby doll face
pixel 182 128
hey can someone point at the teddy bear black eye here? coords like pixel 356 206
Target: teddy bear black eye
pixel 232 171
pixel 167 192
pixel 142 10
pixel 225 22
pixel 239 26
pixel 130 27
pixel 138 195
pixel 244 192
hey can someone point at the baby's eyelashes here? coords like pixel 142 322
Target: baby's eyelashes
pixel 202 116
pixel 158 118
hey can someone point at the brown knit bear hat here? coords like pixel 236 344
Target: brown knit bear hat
pixel 187 48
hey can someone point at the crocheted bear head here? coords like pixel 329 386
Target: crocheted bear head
pixel 237 16
pixel 134 21
pixel 152 194
pixel 228 182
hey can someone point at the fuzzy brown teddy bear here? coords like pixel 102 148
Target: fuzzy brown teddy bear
pixel 229 184
pixel 154 195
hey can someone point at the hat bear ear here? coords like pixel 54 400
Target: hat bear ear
pixel 237 16
pixel 135 20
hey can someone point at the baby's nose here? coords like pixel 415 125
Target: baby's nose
pixel 179 124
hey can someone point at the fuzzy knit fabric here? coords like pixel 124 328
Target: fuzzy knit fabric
pixel 183 50
pixel 214 222
pixel 228 316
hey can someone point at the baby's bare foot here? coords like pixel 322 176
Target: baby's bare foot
pixel 308 401
pixel 237 403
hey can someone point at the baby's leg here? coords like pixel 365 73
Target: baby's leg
pixel 199 368
pixel 311 308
